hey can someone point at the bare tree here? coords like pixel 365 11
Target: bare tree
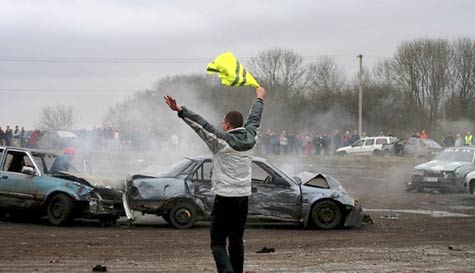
pixel 58 117
pixel 421 70
pixel 463 77
pixel 278 69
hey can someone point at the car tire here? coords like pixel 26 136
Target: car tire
pixel 60 209
pixel 183 215
pixel 377 153
pixel 326 214
pixel 386 153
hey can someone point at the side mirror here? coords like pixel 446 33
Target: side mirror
pixel 28 170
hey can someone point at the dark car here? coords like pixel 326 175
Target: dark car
pixel 447 171
pixel 28 185
pixel 183 196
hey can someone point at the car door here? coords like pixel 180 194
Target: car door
pixel 17 189
pixel 356 147
pixel 368 146
pixel 273 197
pixel 199 185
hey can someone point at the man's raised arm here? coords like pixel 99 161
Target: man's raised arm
pixel 254 118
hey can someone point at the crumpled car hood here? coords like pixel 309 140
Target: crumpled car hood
pixel 307 176
pixel 438 165
pixel 91 181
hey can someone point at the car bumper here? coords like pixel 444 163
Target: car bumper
pixel 419 181
pixel 355 217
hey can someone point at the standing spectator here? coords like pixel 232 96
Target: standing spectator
pixel 16 137
pixel 449 140
pixel 307 144
pixel 284 143
pixel 458 141
pixel 326 143
pixel 2 137
pixel 336 142
pixel 8 136
pixel 22 137
pixel 292 142
pixel 468 139
pixel 346 139
pixel 34 138
pixel 354 137
pixel 317 144
pixel 423 135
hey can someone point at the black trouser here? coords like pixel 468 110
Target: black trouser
pixel 227 222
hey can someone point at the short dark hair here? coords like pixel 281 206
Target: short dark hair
pixel 234 118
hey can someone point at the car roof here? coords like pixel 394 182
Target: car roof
pixel 205 157
pixel 37 151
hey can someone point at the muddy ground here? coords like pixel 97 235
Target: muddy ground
pixel 396 242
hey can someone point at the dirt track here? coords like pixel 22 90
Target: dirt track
pixel 410 243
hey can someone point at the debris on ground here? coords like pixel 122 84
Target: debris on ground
pixel 454 248
pixel 99 268
pixel 266 250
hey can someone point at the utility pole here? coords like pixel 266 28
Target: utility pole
pixel 360 97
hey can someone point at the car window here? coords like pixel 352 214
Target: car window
pixel 358 143
pixel 15 161
pixel 44 161
pixel 369 142
pixel 203 173
pixel 258 173
pixel 381 141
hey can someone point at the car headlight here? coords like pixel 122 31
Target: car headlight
pixel 448 174
pixel 418 172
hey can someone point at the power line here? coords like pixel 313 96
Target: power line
pixel 174 60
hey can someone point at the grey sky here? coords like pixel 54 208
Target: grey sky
pixel 94 53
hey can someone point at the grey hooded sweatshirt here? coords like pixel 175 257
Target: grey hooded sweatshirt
pixel 232 151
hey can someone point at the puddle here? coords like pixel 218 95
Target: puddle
pixel 433 213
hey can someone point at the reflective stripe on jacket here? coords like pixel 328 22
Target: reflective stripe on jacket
pixel 232 151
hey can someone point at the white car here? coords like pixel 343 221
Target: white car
pixel 366 146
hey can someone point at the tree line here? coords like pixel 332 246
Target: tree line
pixel 425 85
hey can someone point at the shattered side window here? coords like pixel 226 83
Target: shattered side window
pixel 258 174
pixel 15 161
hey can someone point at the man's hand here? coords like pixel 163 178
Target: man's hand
pixel 171 102
pixel 260 93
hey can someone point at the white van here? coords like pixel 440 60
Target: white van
pixel 366 146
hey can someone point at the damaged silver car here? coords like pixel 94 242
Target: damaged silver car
pixel 27 184
pixel 183 196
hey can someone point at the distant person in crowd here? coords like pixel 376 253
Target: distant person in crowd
pixel 22 137
pixel 307 144
pixel 346 139
pixel 275 143
pixel 317 144
pixel 326 144
pixel 354 137
pixel 449 140
pixel 8 136
pixel 292 142
pixel 468 139
pixel 415 134
pixel 16 137
pixel 423 135
pixel 63 163
pixel 458 141
pixel 284 143
pixel 336 141
pixel 2 137
pixel 34 137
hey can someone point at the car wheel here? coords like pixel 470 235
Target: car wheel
pixel 60 209
pixel 183 215
pixel 386 153
pixel 326 214
pixel 377 153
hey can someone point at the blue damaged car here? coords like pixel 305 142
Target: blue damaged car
pixel 27 185
pixel 183 196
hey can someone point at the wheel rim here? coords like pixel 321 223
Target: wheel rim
pixel 326 214
pixel 57 209
pixel 183 216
